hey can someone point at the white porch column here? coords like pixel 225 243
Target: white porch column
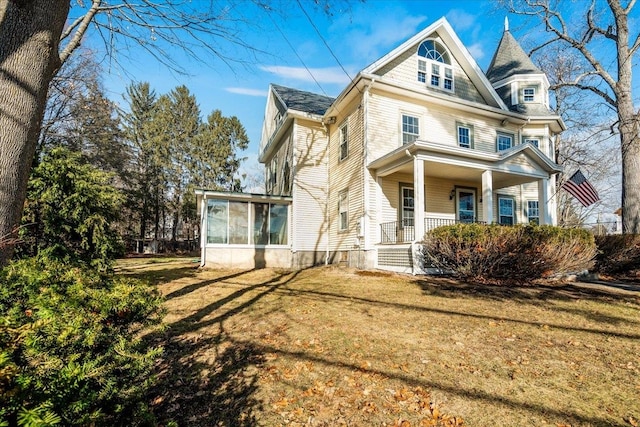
pixel 487 196
pixel 543 202
pixel 552 201
pixel 418 198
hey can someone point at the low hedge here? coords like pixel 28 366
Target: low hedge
pixel 618 254
pixel 499 253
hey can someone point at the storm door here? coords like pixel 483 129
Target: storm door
pixel 465 205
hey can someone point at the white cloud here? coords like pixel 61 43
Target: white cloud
pixel 333 75
pixel 246 91
pixel 477 51
pixel 371 37
pixel 461 20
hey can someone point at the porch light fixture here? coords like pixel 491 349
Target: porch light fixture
pixel 452 194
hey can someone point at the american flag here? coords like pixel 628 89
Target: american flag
pixel 581 189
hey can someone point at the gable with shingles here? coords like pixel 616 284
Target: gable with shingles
pixel 400 66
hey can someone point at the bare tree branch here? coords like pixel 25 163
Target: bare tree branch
pixel 80 31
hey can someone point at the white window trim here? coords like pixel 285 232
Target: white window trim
pixel 537 140
pixel 503 134
pixel 513 208
pixel 402 132
pixel 344 141
pixel 533 96
pixel 442 69
pixel 343 207
pixel 460 125
pixel 527 210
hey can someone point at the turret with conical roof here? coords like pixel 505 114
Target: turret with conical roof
pixel 519 82
pixel 510 59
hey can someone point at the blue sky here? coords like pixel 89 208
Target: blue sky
pixel 293 52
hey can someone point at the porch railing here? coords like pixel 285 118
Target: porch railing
pixel 404 231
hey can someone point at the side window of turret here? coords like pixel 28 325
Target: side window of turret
pixel 529 94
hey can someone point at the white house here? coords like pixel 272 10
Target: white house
pixel 420 138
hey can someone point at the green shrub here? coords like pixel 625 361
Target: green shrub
pixel 500 253
pixel 70 210
pixel 70 352
pixel 618 253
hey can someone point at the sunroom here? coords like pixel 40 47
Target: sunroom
pixel 241 230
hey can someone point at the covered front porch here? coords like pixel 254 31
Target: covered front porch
pixel 425 185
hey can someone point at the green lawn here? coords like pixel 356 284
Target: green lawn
pixel 331 346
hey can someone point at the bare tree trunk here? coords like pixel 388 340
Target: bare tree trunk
pixel 30 31
pixel 628 121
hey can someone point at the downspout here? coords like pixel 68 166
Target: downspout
pixel 364 223
pixel 326 209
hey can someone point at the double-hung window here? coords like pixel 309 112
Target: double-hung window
pixel 343 210
pixel 506 210
pixel 344 141
pixel 533 212
pixel 465 135
pixel 529 94
pixel 434 65
pixel 504 141
pixel 410 129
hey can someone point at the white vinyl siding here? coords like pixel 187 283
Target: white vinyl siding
pixel 385 135
pixel 309 187
pixel 346 174
pixel 404 70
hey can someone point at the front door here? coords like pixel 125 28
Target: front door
pixel 465 205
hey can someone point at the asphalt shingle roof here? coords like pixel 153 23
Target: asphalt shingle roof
pixel 510 59
pixel 300 100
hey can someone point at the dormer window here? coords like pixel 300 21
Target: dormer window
pixel 434 65
pixel 529 94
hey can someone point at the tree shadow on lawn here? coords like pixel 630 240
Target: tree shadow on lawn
pixel 530 293
pixel 506 402
pixel 159 276
pixel 206 380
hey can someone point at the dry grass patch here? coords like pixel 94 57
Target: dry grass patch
pixel 329 346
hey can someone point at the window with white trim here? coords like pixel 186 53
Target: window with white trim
pixel 506 210
pixel 343 210
pixel 533 141
pixel 410 129
pixel 344 141
pixel 504 141
pixel 465 135
pixel 529 94
pixel 533 212
pixel 434 65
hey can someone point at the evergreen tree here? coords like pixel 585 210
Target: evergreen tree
pixel 70 210
pixel 146 177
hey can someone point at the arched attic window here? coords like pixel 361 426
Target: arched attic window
pixel 434 65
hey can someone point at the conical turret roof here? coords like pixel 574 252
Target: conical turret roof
pixel 510 59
